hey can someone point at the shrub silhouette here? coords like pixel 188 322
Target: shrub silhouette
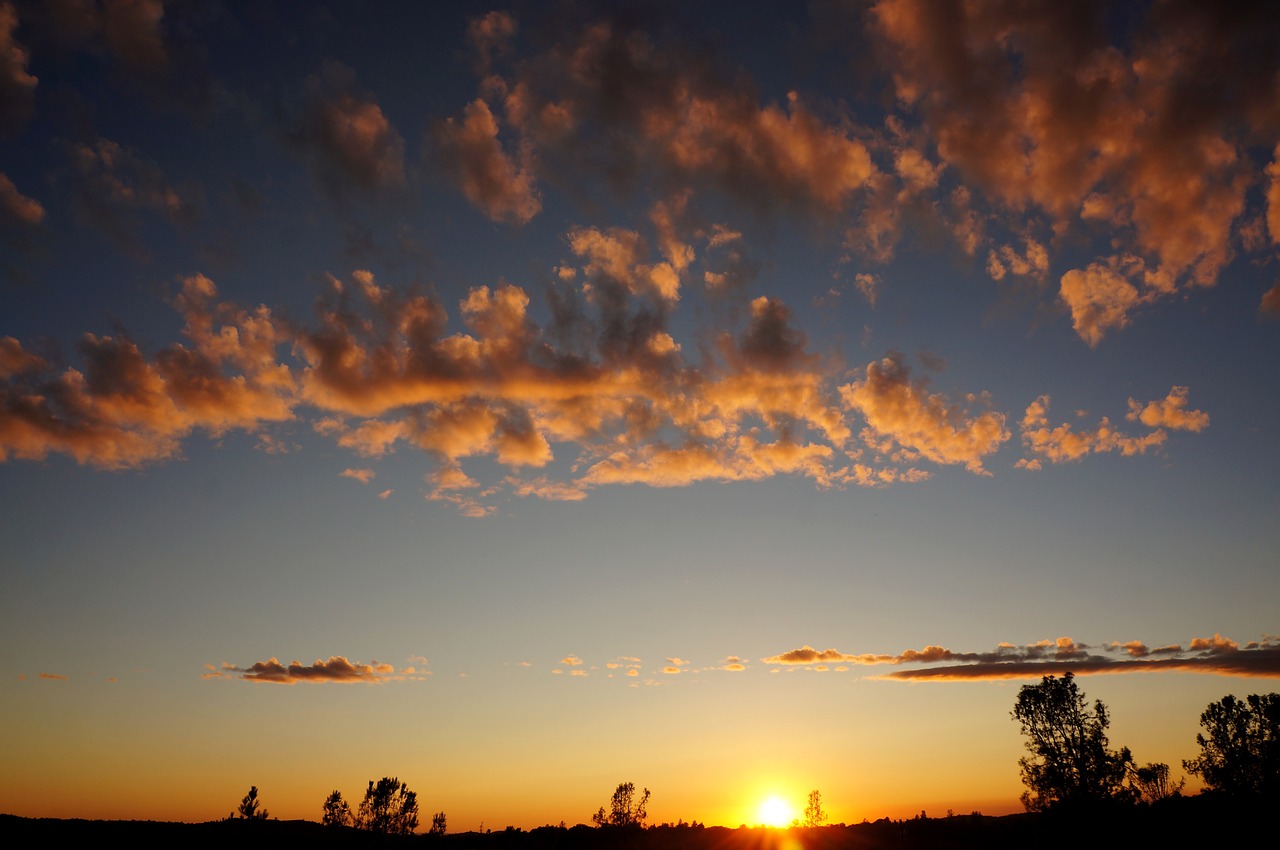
pixel 1241 755
pixel 1070 762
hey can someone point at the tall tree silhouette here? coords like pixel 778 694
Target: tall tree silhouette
pixel 1069 761
pixel 624 810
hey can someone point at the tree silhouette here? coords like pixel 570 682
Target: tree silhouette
pixel 388 807
pixel 1241 756
pixel 437 824
pixel 1070 762
pixel 336 811
pixel 623 810
pixel 813 813
pixel 249 806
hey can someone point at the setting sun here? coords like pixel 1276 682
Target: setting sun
pixel 775 811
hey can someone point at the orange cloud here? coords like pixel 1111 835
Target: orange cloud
pixel 1100 299
pixel 928 424
pixel 364 476
pixel 57 677
pixel 1062 443
pixel 1171 412
pixel 123 410
pixel 489 178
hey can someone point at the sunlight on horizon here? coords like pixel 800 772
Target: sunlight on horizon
pixel 775 811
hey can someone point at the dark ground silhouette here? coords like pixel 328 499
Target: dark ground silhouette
pixel 1178 822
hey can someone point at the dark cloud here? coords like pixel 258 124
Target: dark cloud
pixel 348 139
pixel 17 86
pixel 337 669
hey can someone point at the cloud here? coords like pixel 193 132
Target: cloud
pixel 349 140
pixel 1216 656
pixel 1038 108
pixel 634 109
pixel 472 153
pixel 1062 443
pixel 1100 299
pixel 1271 301
pixel 57 677
pixel 113 184
pixel 17 86
pixel 1211 656
pixel 808 655
pixel 924 423
pixel 16 208
pixel 133 34
pixel 337 669
pixel 364 476
pixel 489 34
pixel 1171 412
pixel 124 410
pixel 571 660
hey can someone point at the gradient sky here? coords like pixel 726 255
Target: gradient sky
pixel 523 399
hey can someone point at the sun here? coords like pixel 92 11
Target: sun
pixel 775 811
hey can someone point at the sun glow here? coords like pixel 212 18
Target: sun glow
pixel 775 811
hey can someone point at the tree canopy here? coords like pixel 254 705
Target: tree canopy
pixel 1070 762
pixel 1241 755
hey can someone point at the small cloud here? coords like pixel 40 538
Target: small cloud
pixel 571 660
pixel 1170 412
pixel 337 669
pixel 57 677
pixel 364 476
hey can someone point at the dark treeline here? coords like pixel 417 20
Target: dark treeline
pixel 1195 821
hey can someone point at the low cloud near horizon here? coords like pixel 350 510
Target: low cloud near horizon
pixel 1216 655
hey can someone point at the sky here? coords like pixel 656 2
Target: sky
pixel 732 399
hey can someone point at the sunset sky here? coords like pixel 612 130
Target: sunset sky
pixel 523 399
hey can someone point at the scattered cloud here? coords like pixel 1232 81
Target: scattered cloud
pixel 57 677
pixel 364 476
pixel 1062 443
